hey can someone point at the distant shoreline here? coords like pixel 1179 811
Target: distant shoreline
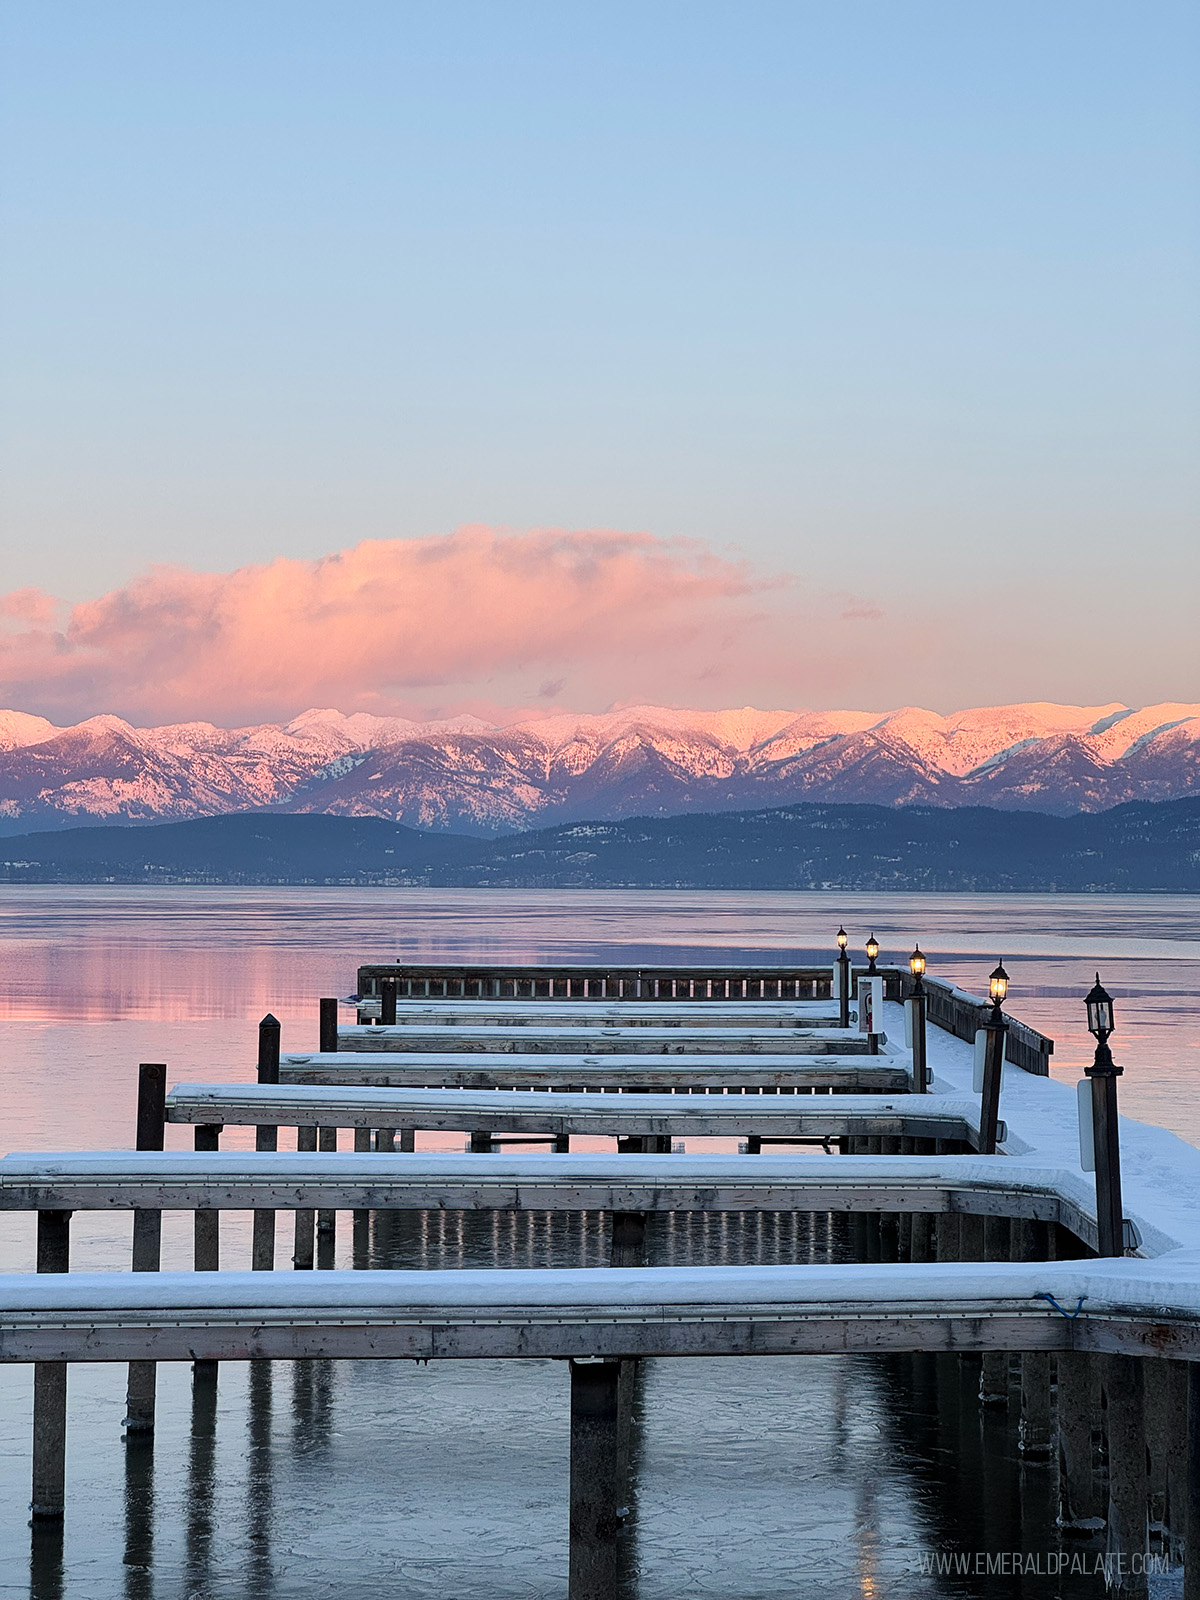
pixel 1139 848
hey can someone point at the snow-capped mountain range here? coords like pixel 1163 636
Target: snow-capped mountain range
pixel 467 776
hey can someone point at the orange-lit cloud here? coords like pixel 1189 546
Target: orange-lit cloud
pixel 474 617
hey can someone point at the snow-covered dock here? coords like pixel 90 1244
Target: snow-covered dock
pixel 247 1180
pixel 501 1111
pixel 435 1069
pixel 1131 1306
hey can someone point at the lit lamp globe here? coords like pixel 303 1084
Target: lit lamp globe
pixel 998 986
pixel 843 939
pixel 872 952
pixel 916 965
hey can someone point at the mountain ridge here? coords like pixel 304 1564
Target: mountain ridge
pixel 463 774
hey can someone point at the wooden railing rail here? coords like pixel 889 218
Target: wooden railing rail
pixel 601 982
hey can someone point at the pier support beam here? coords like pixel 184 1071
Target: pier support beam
pixel 327 1034
pixel 303 1251
pixel 595 1480
pixel 1080 1510
pixel 263 1246
pixel 147 1238
pixel 50 1384
pixel 993 1368
pixel 327 1140
pixel 1191 1529
pixel 1127 1546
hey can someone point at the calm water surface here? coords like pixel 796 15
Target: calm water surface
pixel 756 1479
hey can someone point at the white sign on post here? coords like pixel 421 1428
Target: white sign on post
pixel 838 969
pixel 870 1005
pixel 980 1052
pixel 908 1024
pixel 1087 1143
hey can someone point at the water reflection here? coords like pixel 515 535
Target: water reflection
pixel 139 1516
pixel 201 1475
pixel 752 1478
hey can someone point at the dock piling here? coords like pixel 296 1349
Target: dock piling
pixel 327 1140
pixel 263 1247
pixel 1127 1546
pixel 306 1220
pixel 50 1384
pixel 206 1249
pixel 1191 1520
pixel 147 1238
pixel 387 1002
pixel 328 1028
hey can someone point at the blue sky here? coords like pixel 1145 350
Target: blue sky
pixel 898 298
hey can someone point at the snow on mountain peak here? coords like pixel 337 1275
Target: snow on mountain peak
pixel 463 772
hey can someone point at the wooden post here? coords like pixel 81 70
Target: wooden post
pixel 1177 1435
pixel 1035 1433
pixel 595 1480
pixel 408 1140
pixel 948 1236
pixel 327 1037
pixel 50 1383
pixel 1154 1385
pixel 327 1140
pixel 628 1239
pixel 147 1238
pixel 306 1221
pixel 206 1242
pixel 922 1236
pixel 993 1068
pixel 207 1224
pixel 360 1224
pixel 1106 1138
pixel 844 990
pixel 481 1143
pixel 919 1055
pixel 387 1003
pixel 1080 1511
pixel 1191 1521
pixel 263 1248
pixel 993 1366
pixel 1127 1547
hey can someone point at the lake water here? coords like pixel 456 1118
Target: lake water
pixel 757 1478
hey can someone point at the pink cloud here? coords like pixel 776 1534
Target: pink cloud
pixel 477 614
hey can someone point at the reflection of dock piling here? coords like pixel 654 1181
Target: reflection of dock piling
pixel 889 1225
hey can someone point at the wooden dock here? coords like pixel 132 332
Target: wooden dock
pixel 956 1251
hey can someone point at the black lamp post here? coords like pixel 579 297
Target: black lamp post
pixel 872 952
pixel 1106 1139
pixel 916 965
pixel 843 939
pixel 993 1061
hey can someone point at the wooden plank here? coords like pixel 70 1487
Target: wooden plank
pixel 443 1070
pixel 537 1038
